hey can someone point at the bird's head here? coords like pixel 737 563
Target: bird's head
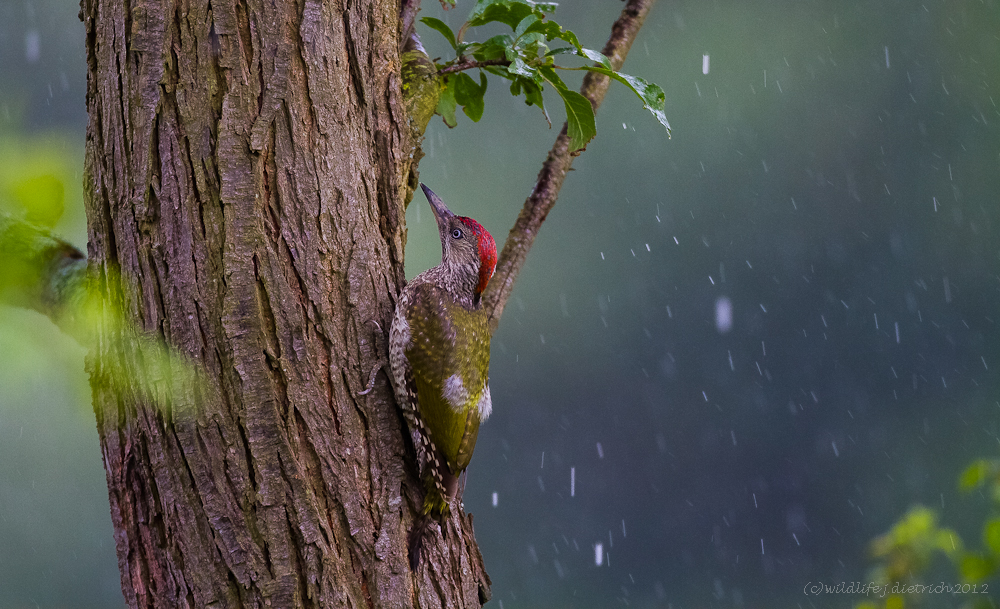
pixel 468 252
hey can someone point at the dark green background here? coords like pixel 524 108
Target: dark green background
pixel 800 183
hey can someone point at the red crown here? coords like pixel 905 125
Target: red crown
pixel 487 252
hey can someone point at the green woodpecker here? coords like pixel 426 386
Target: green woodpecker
pixel 439 354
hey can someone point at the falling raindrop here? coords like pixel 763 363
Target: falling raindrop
pixel 723 315
pixel 32 46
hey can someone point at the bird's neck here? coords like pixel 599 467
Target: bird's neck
pixel 458 280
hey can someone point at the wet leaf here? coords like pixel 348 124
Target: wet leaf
pixel 441 26
pixel 447 103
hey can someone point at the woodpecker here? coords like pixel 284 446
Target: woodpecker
pixel 439 356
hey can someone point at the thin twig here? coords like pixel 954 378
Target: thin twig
pixel 471 64
pixel 553 172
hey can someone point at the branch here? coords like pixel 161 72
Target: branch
pixel 469 64
pixel 554 169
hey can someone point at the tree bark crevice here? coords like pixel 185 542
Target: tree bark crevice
pixel 246 167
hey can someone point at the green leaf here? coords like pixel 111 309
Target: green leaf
pixel 530 42
pixel 511 12
pixel 447 104
pixel 991 535
pixel 518 67
pixel 550 75
pixel 500 71
pixel 975 568
pixel 533 96
pixel 441 26
pixel 41 197
pixel 549 29
pixel 470 95
pixel 652 95
pixel 523 26
pixel 977 473
pixel 562 51
pixel 570 37
pixel 580 124
pixel 494 48
pixel 600 58
pixel 532 93
pixel 580 118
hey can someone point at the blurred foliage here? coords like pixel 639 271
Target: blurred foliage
pixel 41 181
pixel 56 536
pixel 905 554
pixel 911 544
pixel 48 453
pixel 42 272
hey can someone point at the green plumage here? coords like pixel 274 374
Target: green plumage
pixel 439 354
pixel 436 320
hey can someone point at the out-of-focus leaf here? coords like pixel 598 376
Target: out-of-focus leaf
pixel 991 535
pixel 975 568
pixel 42 198
pixel 977 473
pixel 895 601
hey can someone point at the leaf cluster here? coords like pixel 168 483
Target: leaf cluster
pixel 906 551
pixel 527 58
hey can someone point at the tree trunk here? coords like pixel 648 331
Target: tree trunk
pixel 244 176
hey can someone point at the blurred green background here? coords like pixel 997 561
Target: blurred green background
pixel 832 181
pixel 56 542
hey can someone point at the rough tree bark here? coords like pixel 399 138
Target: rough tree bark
pixel 243 171
pixel 246 167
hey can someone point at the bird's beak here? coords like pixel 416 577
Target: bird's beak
pixel 441 212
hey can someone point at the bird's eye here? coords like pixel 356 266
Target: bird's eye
pixel 457 233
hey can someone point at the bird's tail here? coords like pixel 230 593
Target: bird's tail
pixel 415 540
pixel 440 487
